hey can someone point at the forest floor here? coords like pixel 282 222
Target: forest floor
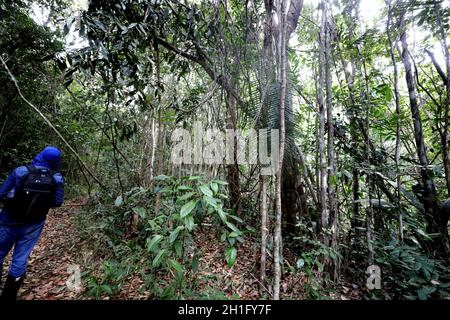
pixel 60 248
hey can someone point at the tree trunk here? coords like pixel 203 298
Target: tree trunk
pixel 355 216
pixel 322 157
pixel 262 277
pixel 289 195
pixel 160 158
pixel 445 133
pixel 397 112
pixel 333 213
pixel 233 169
pixel 428 195
pixel 278 213
pixel 330 127
pixel 350 81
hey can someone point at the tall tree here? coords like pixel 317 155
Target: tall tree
pixel 398 114
pixel 324 213
pixel 282 14
pixel 427 193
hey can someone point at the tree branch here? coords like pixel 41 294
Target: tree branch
pixel 81 162
pixel 220 80
pixel 293 14
pixel 437 66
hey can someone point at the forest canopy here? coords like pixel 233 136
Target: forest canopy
pixel 276 149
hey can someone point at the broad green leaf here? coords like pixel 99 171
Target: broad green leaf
pixel 162 190
pixel 178 246
pixel 236 218
pixel 151 243
pixel 204 188
pixel 222 215
pixel 388 93
pixel 174 234
pixel 176 265
pixel 189 223
pixel 141 212
pixel 211 201
pixel 233 227
pixel 231 255
pixel 184 188
pixel 221 195
pixel 187 208
pixel 220 182
pixel 214 187
pixel 423 234
pixel 107 289
pixel 158 259
pixel 186 196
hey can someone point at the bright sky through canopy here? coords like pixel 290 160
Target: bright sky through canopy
pixel 370 11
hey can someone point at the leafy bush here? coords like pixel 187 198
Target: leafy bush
pixel 312 260
pixel 110 280
pixel 163 243
pixel 410 274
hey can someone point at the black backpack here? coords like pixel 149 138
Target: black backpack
pixel 33 196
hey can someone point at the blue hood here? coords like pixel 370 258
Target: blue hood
pixel 50 158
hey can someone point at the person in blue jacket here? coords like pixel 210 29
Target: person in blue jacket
pixel 23 236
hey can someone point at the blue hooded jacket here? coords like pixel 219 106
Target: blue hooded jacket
pixel 49 158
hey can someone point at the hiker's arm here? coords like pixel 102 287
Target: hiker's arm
pixel 59 193
pixel 7 185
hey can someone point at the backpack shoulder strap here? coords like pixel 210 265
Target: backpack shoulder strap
pixel 22 179
pixel 31 167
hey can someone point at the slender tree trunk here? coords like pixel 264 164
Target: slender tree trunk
pixel 264 230
pixel 330 143
pixel 267 72
pixel 350 80
pixel 370 151
pixel 267 45
pixel 148 150
pixel 329 103
pixel 160 137
pixel 447 98
pixel 443 216
pixel 330 123
pixel 160 157
pixel 289 199
pixel 355 216
pixel 397 112
pixel 369 223
pixel 322 157
pixel 309 181
pixel 278 214
pixel 428 194
pixel 233 169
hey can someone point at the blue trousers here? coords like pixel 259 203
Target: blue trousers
pixel 23 238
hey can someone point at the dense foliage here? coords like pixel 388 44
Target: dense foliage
pixel 362 108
